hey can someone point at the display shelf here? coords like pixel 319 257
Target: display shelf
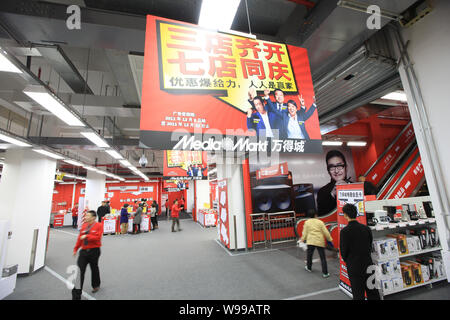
pixel 399 225
pixel 416 286
pixel 408 255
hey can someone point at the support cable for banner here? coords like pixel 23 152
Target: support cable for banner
pixel 248 18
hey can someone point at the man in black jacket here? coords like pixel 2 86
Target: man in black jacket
pixel 103 210
pixel 355 248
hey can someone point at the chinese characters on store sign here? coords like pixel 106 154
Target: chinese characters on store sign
pixel 197 59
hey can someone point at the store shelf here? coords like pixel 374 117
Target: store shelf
pixel 408 255
pixel 380 227
pixel 417 286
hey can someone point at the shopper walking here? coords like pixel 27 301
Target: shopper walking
pixel 167 208
pixel 175 212
pixel 90 241
pixel 124 219
pixel 75 216
pixel 314 234
pixel 355 248
pixel 154 214
pixel 137 219
pixel 103 210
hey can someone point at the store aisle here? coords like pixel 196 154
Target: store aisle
pixel 183 265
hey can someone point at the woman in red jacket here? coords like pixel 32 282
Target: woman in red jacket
pixel 175 215
pixel 90 241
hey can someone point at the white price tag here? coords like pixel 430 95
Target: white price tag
pixel 431 220
pixel 378 228
pixel 392 226
pixel 421 222
pixel 402 224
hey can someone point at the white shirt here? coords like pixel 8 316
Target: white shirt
pixel 294 131
pixel 265 118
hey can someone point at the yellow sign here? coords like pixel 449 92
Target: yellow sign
pixel 60 176
pixel 195 60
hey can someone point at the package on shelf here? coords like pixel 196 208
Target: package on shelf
pixel 433 237
pixel 380 250
pixel 413 243
pixel 416 271
pixel 401 242
pixel 384 270
pixel 406 275
pixel 438 266
pixel 387 286
pixel 427 263
pixel 397 283
pixel 425 273
pixel 422 234
pixel 396 269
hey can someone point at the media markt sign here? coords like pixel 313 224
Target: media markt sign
pixel 205 90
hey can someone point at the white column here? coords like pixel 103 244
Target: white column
pixel 26 191
pixel 202 193
pixel 190 201
pixel 429 52
pixel 95 190
pixel 231 170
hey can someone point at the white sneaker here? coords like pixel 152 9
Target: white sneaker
pixel 306 268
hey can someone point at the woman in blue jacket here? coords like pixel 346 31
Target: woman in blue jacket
pixel 124 219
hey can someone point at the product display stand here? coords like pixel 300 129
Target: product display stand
pixel 395 253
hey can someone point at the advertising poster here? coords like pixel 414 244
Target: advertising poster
pixel 348 193
pixel 175 185
pixel 205 90
pixel 185 165
pixel 223 221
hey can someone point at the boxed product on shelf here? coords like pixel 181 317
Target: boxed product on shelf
pixel 401 243
pixel 387 286
pixel 422 234
pixel 438 267
pixel 397 283
pixel 396 269
pixel 413 244
pixel 384 270
pixel 425 272
pixel 433 237
pixel 416 271
pixel 427 263
pixel 384 248
pixel 380 249
pixel 406 275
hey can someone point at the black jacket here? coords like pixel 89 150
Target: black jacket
pixel 102 211
pixel 355 246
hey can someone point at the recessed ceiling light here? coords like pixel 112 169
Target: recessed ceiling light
pixel 14 141
pixel 356 143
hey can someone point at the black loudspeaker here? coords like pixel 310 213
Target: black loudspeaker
pixel 303 198
pixel 272 195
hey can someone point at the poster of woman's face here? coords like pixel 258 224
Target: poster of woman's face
pixel 316 169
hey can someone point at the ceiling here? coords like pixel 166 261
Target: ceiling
pixel 98 70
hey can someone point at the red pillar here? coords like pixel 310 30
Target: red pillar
pixel 247 200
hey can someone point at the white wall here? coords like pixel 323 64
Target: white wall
pixel 26 191
pixel 190 201
pixel 429 51
pixel 236 206
pixel 202 193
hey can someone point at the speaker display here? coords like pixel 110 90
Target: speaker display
pixel 304 198
pixel 272 195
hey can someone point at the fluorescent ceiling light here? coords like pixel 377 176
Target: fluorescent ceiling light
pixel 114 154
pixel 125 163
pixel 48 154
pixel 74 163
pixel 6 65
pixel 396 95
pixel 13 141
pixel 356 143
pixel 332 143
pixel 218 14
pixel 131 181
pixel 55 106
pixel 99 142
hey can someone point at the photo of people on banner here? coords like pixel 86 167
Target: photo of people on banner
pixel 185 165
pixel 206 90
